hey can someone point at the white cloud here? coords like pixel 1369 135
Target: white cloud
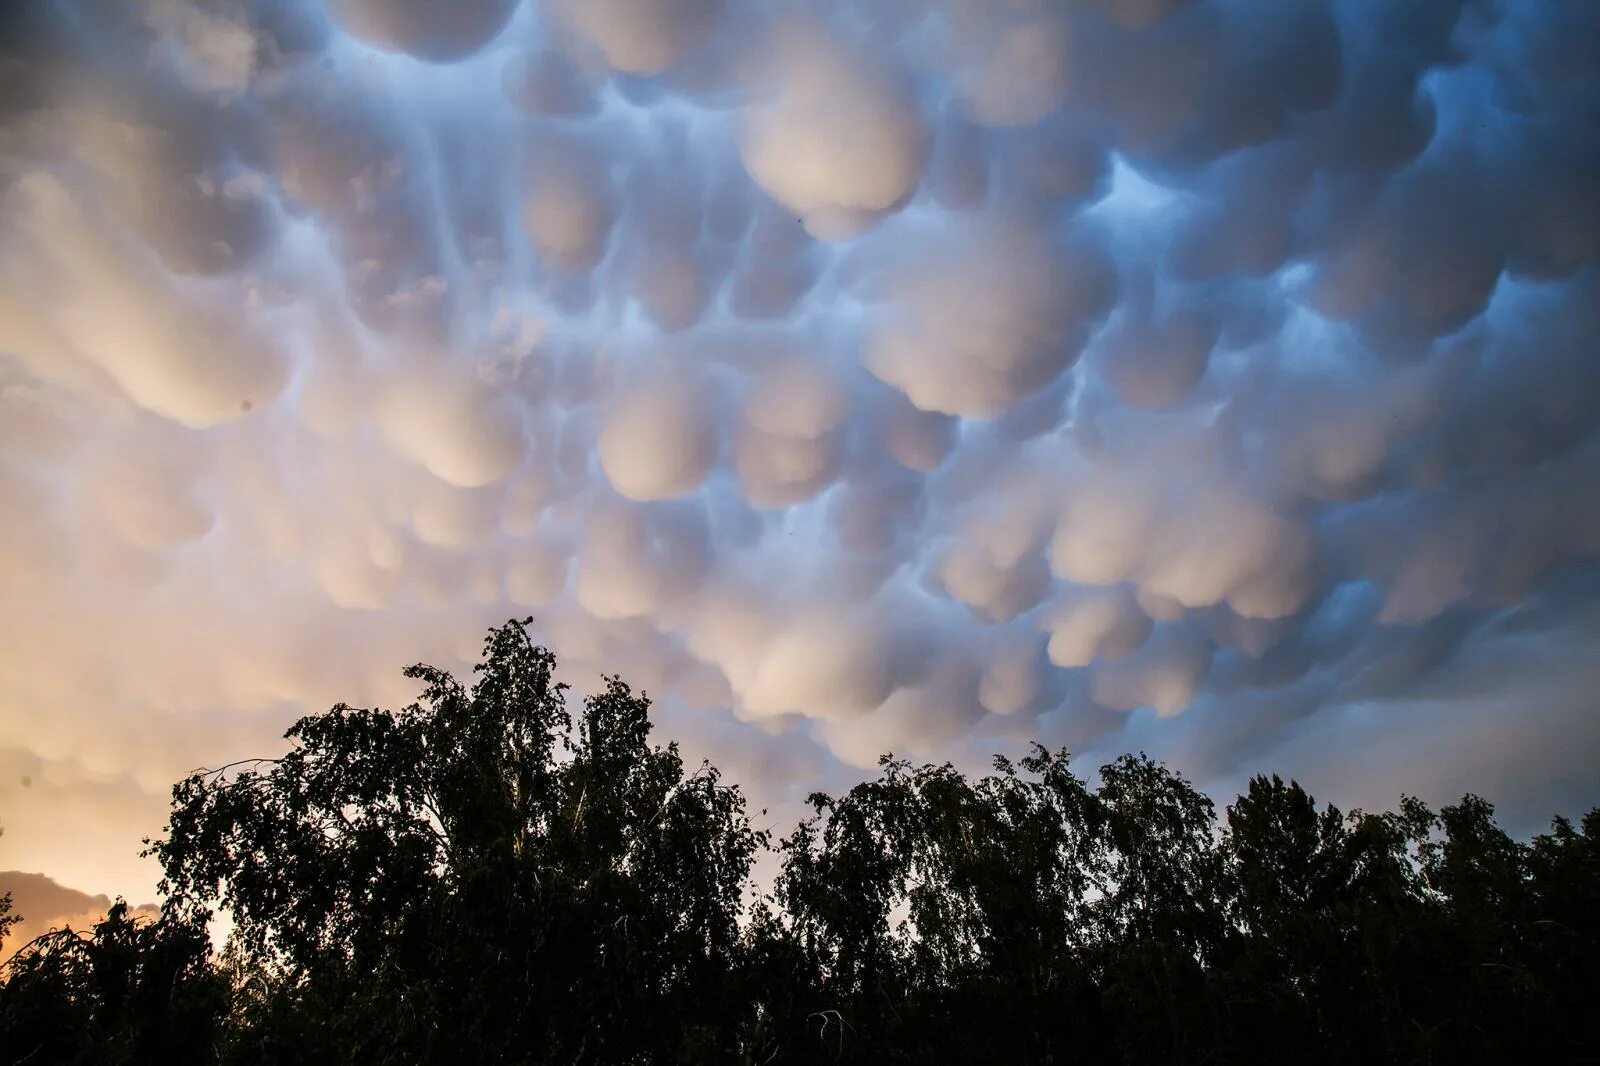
pixel 659 440
pixel 789 438
pixel 641 36
pixel 569 208
pixel 985 315
pixel 832 137
pixel 437 32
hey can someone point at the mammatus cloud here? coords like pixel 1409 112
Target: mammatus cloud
pixel 640 36
pixel 659 440
pixel 1214 379
pixel 442 33
pixel 985 315
pixel 832 134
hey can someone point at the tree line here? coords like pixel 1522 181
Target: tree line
pixel 485 877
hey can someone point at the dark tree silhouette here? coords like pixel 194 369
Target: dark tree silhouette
pixel 493 875
pixel 130 991
pixel 475 871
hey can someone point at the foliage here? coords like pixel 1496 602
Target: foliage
pixel 131 990
pixel 490 875
pixel 476 870
pixel 7 919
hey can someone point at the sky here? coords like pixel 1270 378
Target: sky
pixel 1216 379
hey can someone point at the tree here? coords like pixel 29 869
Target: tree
pixel 131 990
pixel 1067 919
pixel 1324 914
pixel 1563 935
pixel 1158 922
pixel 476 870
pixel 7 919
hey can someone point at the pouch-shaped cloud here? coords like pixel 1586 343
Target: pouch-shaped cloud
pixel 659 440
pixel 1018 71
pixel 777 266
pixel 447 516
pixel 1153 362
pixel 547 82
pixel 635 561
pixel 1165 673
pixel 641 36
pixel 985 315
pixel 1410 271
pixel 1182 536
pixel 450 423
pixel 820 664
pixel 1231 549
pixel 788 444
pixel 439 32
pixel 190 360
pixel 917 439
pixel 1012 677
pixel 1095 623
pixel 989 585
pixel 569 209
pixel 995 563
pixel 537 572
pixel 673 287
pixel 149 500
pixel 351 577
pixel 832 137
pixel 919 719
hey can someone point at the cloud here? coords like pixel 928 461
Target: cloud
pixel 985 315
pixel 658 441
pixel 641 36
pixel 1016 71
pixel 461 432
pixel 790 433
pixel 1185 532
pixel 635 561
pixel 820 663
pixel 547 82
pixel 1154 360
pixel 191 360
pixel 44 905
pixel 832 136
pixel 1165 673
pixel 440 33
pixel 1205 378
pixel 568 212
pixel 1100 623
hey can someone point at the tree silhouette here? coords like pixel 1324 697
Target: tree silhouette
pixel 131 990
pixel 498 873
pixel 476 870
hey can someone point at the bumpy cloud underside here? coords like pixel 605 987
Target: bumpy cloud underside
pixel 1217 379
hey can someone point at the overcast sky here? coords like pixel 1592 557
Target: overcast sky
pixel 1217 379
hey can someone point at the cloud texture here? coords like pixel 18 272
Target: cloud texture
pixel 1213 378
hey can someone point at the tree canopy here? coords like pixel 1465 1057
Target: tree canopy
pixel 491 875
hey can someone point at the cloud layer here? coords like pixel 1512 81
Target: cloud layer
pixel 1210 378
